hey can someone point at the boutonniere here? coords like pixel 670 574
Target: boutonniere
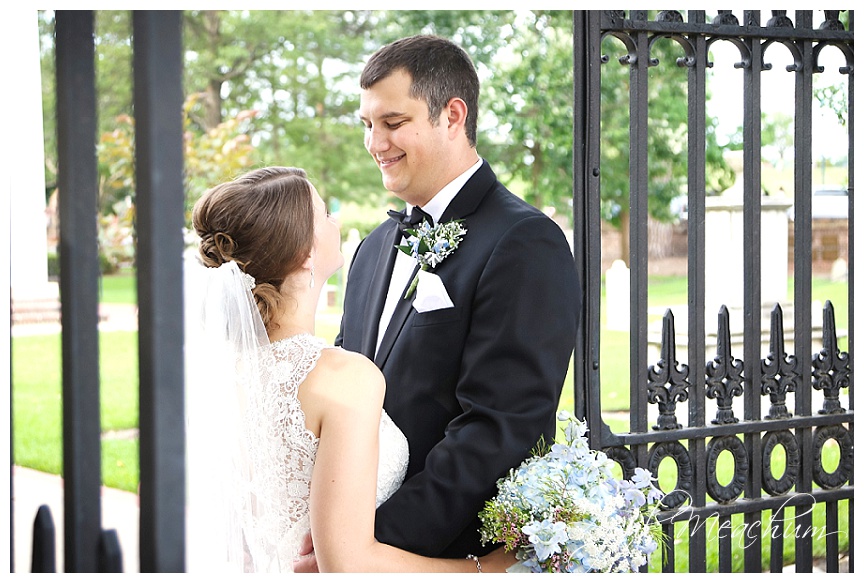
pixel 429 245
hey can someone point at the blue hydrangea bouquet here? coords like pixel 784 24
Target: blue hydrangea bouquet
pixel 563 511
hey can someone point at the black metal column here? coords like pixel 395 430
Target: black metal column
pixel 586 173
pixel 803 281
pixel 696 268
pixel 79 288
pixel 160 197
pixel 752 292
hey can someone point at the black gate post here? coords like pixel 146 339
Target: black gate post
pixel 160 207
pixel 79 288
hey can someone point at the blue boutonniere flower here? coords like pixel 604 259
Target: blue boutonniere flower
pixel 429 245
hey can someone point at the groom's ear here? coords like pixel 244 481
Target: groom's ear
pixel 457 113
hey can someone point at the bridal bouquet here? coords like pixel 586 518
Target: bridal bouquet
pixel 563 511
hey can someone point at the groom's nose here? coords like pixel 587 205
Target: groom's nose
pixel 376 140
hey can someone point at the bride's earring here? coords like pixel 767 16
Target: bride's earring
pixel 312 278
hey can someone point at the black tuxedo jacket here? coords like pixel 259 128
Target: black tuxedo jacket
pixel 473 387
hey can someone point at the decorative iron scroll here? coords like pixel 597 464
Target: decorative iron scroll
pixel 845 468
pixel 667 381
pixel 624 458
pixel 669 16
pixel 779 20
pixel 684 485
pixel 733 489
pixel 778 369
pixel 725 17
pixel 786 439
pixel 830 366
pixel 724 374
pixel 832 21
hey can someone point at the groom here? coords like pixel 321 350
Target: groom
pixel 475 385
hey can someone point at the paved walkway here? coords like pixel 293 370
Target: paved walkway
pixel 32 489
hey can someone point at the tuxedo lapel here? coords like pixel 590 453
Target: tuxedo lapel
pixel 400 314
pixel 462 205
pixel 378 291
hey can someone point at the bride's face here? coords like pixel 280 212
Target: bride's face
pixel 328 241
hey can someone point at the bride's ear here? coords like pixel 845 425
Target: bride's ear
pixel 309 262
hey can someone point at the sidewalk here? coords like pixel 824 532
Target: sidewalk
pixel 32 489
pixel 111 317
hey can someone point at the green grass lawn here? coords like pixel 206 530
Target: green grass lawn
pixel 672 291
pixel 37 412
pixel 119 288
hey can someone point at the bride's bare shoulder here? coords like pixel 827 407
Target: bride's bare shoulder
pixel 348 370
pixel 339 360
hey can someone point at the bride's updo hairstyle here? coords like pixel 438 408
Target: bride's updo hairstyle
pixel 264 220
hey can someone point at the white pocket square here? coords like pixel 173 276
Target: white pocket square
pixel 431 293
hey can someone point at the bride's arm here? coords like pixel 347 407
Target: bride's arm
pixel 342 500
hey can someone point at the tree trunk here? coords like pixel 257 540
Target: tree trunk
pixel 536 175
pixel 212 101
pixel 212 104
pixel 624 231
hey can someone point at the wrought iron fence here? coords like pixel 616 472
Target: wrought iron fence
pixel 733 404
pixel 158 101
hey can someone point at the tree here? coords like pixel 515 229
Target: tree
pixel 113 68
pixel 532 98
pixel 298 70
pixel 210 158
pixel 667 138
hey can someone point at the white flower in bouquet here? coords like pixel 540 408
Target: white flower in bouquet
pixel 563 511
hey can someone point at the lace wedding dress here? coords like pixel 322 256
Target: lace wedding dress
pixel 289 362
pixel 249 456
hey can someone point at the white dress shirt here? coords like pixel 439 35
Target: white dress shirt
pixel 404 266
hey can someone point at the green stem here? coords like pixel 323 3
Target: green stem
pixel 413 286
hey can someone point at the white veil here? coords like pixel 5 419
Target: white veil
pixel 232 519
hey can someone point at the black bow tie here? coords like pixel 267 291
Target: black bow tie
pixel 411 221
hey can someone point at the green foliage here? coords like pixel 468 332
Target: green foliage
pixel 37 405
pixel 667 134
pixel 298 70
pixel 53 265
pixel 210 157
pixel 217 155
pixel 531 96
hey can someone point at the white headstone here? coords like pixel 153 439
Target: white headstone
pixel 724 251
pixel 618 297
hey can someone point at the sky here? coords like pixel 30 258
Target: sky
pixel 778 87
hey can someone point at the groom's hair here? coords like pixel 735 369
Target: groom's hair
pixel 440 70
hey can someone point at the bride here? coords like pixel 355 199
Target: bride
pixel 285 433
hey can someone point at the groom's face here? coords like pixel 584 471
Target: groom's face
pixel 411 153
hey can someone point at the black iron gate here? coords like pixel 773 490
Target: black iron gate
pixel 697 405
pixel 158 101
